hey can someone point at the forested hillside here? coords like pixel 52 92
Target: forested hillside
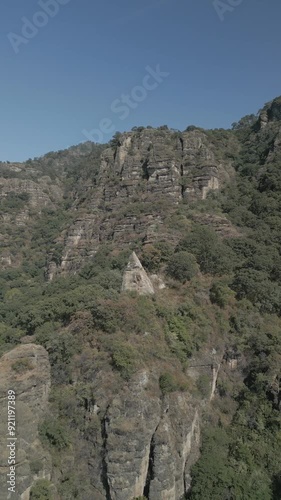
pixel 142 384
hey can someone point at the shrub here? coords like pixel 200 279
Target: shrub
pixel 151 258
pixel 109 280
pixel 55 434
pixel 9 335
pixel 22 365
pixel 211 253
pixel 41 490
pixel 256 287
pixel 166 250
pixel 191 128
pixel 220 294
pixel 36 466
pixel 179 337
pixel 14 201
pixel 167 383
pixel 124 359
pixel 46 332
pixel 105 317
pixel 116 140
pixel 182 266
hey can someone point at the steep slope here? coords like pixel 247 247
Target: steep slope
pixel 152 349
pixel 140 176
pixel 24 378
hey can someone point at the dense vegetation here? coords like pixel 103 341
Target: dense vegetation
pixel 222 292
pixel 241 456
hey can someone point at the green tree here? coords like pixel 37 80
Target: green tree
pixel 212 254
pixel 256 286
pixel 182 266
pixel 151 258
pixel 245 122
pixel 124 359
pixel 220 294
pixel 54 433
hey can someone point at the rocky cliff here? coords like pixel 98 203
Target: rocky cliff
pixel 138 440
pixel 141 173
pixel 121 193
pixel 123 267
pixel 26 372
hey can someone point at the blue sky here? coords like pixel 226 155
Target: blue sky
pixel 65 77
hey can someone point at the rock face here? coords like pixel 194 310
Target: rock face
pixel 149 442
pixel 24 194
pixel 41 194
pixel 135 278
pixel 162 440
pixel 26 371
pixel 167 164
pixel 139 442
pixel 270 113
pixel 133 439
pixel 149 166
pixel 130 435
pixel 121 202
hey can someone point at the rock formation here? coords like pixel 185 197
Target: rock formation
pixel 135 278
pixel 149 167
pixel 26 371
pixel 129 436
pixel 162 441
pixel 148 442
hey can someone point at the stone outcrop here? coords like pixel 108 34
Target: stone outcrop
pixel 148 441
pixel 136 441
pixel 25 193
pixel 121 202
pixel 135 278
pixel 157 282
pixel 42 194
pixel 270 113
pixel 26 371
pixel 163 163
pixel 162 441
pixel 263 119
pixel 144 442
pixel 149 167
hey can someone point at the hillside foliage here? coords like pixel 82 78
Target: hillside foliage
pixel 222 292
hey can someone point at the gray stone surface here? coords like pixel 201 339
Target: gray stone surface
pixel 135 278
pixel 31 388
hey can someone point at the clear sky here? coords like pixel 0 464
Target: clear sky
pixel 71 74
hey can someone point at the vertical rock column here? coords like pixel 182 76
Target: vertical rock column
pixel 26 371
